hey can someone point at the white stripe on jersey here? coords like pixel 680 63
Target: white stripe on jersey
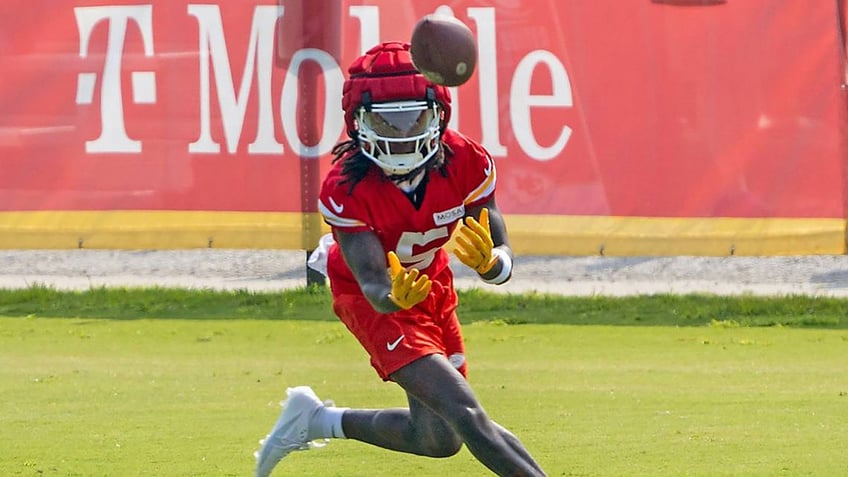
pixel 331 218
pixel 485 188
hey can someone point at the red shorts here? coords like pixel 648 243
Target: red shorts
pixel 396 339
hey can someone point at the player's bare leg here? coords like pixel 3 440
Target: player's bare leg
pixel 517 446
pixel 416 430
pixel 453 400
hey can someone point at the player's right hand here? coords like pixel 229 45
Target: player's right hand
pixel 408 288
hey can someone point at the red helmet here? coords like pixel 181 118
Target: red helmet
pixel 393 110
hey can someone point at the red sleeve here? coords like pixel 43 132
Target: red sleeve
pixel 338 208
pixel 475 167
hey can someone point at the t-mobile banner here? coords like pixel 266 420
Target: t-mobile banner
pixel 593 109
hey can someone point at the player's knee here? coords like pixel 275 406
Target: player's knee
pixel 471 420
pixel 437 439
pixel 443 446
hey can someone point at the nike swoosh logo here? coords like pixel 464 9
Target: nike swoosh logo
pixel 338 208
pixel 392 346
pixel 488 169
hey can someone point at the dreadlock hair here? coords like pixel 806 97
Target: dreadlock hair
pixel 355 165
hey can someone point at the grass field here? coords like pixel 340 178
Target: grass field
pixel 175 383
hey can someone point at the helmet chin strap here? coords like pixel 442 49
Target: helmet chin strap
pixel 402 162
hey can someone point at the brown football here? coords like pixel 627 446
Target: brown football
pixel 443 49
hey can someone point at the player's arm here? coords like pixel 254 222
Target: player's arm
pixel 483 245
pixel 387 292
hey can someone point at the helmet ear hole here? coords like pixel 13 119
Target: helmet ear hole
pixel 366 100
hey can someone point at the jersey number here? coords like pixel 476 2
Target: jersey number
pixel 421 239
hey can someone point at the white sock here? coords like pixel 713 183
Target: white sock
pixel 327 423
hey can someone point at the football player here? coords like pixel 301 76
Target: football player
pixel 398 189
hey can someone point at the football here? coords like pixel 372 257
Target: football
pixel 443 49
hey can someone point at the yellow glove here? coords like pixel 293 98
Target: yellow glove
pixel 408 289
pixel 474 243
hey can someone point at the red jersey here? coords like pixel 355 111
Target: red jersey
pixel 416 235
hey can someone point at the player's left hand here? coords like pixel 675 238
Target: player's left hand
pixel 408 288
pixel 474 243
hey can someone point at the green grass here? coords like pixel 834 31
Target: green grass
pixel 314 305
pixel 176 383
